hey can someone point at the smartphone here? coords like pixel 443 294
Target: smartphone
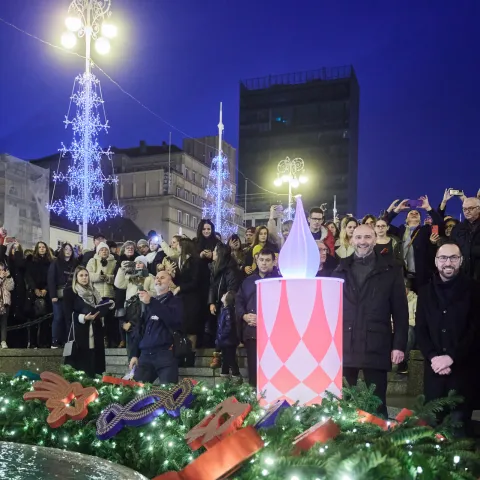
pixel 455 192
pixel 435 229
pixel 415 203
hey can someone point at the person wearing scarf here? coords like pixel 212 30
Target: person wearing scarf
pixel 88 352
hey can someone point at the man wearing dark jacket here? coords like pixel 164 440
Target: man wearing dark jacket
pixel 373 296
pixel 152 340
pixel 467 235
pixel 246 308
pixel 447 325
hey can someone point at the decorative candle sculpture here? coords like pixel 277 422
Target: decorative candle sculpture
pixel 299 324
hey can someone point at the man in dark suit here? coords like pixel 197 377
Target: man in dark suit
pixel 373 296
pixel 447 325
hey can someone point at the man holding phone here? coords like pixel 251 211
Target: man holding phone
pixel 418 253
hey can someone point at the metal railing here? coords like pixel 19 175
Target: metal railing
pixel 296 78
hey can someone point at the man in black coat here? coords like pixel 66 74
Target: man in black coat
pixel 447 325
pixel 98 238
pixel 467 235
pixel 152 340
pixel 373 296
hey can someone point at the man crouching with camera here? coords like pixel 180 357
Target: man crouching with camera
pixel 152 342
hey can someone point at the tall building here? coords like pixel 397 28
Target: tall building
pixel 312 115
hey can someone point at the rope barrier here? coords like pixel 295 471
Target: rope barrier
pixel 30 324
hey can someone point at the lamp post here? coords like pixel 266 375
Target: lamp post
pixel 84 204
pixel 292 172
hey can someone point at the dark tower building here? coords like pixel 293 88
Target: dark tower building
pixel 311 115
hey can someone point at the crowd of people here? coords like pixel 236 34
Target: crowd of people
pixel 406 285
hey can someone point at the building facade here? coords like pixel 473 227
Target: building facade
pixel 24 194
pixel 311 115
pixel 163 188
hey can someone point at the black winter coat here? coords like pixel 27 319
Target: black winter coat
pixel 152 267
pixel 121 294
pixel 60 275
pixel 328 267
pixel 424 251
pixel 84 358
pixel 226 280
pixel 36 272
pixel 368 339
pixel 450 325
pixel 468 238
pixel 188 279
pixel 246 302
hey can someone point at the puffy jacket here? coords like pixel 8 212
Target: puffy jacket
pixel 226 328
pixel 95 269
pixel 132 283
pixel 227 280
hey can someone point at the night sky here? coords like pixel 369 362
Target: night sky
pixel 417 63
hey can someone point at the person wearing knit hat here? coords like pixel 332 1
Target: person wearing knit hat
pixel 100 246
pixel 143 247
pixel 142 259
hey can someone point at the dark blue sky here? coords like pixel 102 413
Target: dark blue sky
pixel 417 63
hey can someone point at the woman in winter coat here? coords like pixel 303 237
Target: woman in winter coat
pixel 156 254
pixel 36 277
pixel 128 253
pixel 328 263
pixel 345 248
pixel 185 274
pixel 12 256
pixel 238 254
pixel 131 281
pixel 102 275
pixel 225 277
pixel 88 351
pixel 6 287
pixel 60 276
pixel 205 244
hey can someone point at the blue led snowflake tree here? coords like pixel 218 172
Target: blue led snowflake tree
pixel 84 203
pixel 219 192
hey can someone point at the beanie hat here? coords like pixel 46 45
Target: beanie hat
pixel 142 243
pixel 102 245
pixel 142 259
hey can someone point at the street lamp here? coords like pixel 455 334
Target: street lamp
pixel 84 204
pixel 291 171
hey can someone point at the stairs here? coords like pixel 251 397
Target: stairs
pixel 117 365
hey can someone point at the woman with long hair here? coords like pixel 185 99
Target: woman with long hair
pixel 345 248
pixel 60 276
pixel 387 244
pixel 36 277
pixel 205 244
pixel 332 226
pixel 185 275
pixel 88 352
pixel 369 220
pixel 12 256
pixel 260 240
pixel 238 254
pixel 225 278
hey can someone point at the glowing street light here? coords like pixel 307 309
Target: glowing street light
pixel 287 171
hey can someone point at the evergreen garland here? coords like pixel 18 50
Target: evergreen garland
pixel 361 451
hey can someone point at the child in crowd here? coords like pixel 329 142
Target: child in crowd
pixel 6 286
pixel 227 338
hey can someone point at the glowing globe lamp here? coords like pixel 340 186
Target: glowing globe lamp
pixel 299 324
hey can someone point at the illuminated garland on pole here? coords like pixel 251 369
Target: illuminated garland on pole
pixel 84 202
pixel 218 192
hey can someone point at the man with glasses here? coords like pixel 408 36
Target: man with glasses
pixel 467 235
pixel 447 321
pixel 319 232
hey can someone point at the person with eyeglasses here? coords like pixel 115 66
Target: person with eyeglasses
pixel 446 330
pixel 328 263
pixel 387 244
pixel 467 235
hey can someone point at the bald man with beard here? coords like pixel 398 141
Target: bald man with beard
pixel 373 296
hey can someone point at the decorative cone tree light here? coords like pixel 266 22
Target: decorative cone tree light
pixel 86 181
pixel 218 191
pixel 299 324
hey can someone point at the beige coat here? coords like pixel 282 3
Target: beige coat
pixel 94 268
pixel 132 283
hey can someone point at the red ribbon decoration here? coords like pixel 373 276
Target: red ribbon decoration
pixel 121 381
pixel 321 432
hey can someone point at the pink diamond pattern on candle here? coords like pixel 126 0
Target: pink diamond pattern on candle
pixel 284 336
pixel 302 356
